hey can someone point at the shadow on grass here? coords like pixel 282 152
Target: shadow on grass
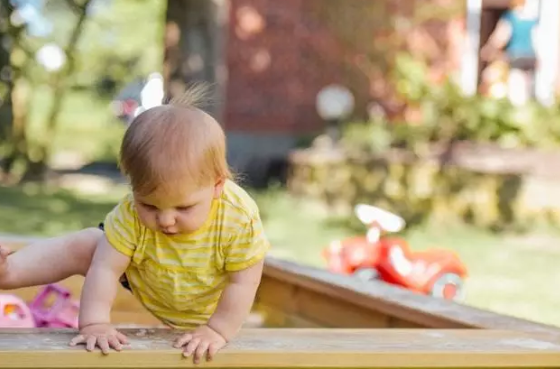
pixel 40 211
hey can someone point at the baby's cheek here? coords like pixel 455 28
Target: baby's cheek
pixel 191 223
pixel 147 219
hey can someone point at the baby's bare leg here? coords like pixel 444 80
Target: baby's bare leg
pixel 49 261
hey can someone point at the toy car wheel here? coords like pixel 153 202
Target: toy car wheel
pixel 449 286
pixel 366 274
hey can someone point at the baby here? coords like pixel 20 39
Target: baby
pixel 187 241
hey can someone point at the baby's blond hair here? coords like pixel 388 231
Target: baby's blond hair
pixel 175 144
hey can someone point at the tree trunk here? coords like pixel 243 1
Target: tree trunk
pixel 18 135
pixel 6 108
pixel 194 44
pixel 5 75
pixel 36 169
pixel 12 107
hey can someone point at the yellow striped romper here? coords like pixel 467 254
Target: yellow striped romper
pixel 180 278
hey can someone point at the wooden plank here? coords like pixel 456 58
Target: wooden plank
pixel 277 318
pixel 400 306
pixel 303 296
pixel 302 348
pixel 290 306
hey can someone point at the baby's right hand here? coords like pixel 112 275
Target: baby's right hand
pixel 105 336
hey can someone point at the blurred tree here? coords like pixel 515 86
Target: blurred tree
pixel 12 123
pixel 25 58
pixel 37 164
pixel 122 42
pixel 6 85
pixel 194 46
pixel 101 48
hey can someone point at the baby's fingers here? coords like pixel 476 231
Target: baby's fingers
pixel 213 350
pixel 103 343
pixel 200 351
pixel 91 341
pixel 191 347
pixel 122 338
pixel 77 340
pixel 115 343
pixel 183 340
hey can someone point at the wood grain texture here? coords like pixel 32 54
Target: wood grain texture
pixel 297 348
pixel 294 295
pixel 341 301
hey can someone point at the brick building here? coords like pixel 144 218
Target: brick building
pixel 269 59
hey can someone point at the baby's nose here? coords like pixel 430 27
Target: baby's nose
pixel 166 220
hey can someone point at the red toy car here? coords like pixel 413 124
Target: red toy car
pixel 439 273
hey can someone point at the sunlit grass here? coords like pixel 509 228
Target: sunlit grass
pixel 508 275
pixel 48 211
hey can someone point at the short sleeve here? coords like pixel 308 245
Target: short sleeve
pixel 122 227
pixel 247 247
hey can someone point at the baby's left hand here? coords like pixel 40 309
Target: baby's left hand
pixel 202 341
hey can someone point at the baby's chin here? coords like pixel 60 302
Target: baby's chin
pixel 180 232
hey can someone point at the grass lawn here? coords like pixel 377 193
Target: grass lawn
pixel 35 211
pixel 508 275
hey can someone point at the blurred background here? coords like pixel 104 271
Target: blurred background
pixel 444 112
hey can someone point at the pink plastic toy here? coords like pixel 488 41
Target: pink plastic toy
pixel 14 313
pixel 61 313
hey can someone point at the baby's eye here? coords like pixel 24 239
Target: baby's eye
pixel 149 207
pixel 184 208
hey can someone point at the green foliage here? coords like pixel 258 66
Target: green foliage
pixel 447 115
pixel 369 171
pixel 104 51
pixel 86 127
pixel 123 40
pixel 450 114
pixel 113 45
pixel 374 136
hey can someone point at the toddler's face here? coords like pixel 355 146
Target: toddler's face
pixel 178 211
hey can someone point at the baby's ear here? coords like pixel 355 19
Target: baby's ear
pixel 219 187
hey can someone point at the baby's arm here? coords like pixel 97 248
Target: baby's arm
pixel 236 301
pixel 98 294
pixel 244 260
pixel 100 286
pixel 244 264
pixel 234 306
